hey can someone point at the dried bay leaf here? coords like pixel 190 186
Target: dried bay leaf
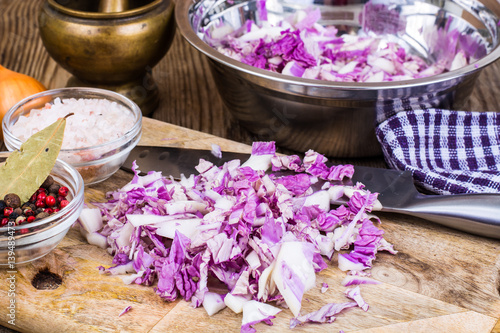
pixel 26 169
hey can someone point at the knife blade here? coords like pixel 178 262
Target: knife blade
pixel 174 161
pixel 477 214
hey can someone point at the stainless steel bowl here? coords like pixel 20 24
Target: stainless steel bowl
pixel 339 119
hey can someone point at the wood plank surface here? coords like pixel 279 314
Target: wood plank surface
pixel 441 280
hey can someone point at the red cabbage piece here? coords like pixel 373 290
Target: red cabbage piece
pixel 324 315
pixel 355 294
pixel 125 310
pixel 264 148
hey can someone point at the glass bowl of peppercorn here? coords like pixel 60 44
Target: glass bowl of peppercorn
pixel 29 230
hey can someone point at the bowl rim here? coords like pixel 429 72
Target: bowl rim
pixel 76 201
pixel 102 16
pixel 129 135
pixel 182 18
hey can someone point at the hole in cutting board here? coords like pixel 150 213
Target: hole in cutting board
pixel 46 280
pixel 164 156
pixel 144 153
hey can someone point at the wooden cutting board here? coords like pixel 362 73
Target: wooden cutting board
pixel 441 280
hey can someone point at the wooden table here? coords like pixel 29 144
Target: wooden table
pixel 441 280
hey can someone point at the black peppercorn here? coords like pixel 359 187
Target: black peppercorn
pixel 54 188
pixel 12 200
pixel 18 211
pixel 28 205
pixel 49 181
pixel 41 215
pixel 2 205
pixel 13 216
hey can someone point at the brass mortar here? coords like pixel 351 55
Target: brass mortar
pixel 109 46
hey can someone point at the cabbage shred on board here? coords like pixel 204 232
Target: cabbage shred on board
pixel 263 235
pixel 299 46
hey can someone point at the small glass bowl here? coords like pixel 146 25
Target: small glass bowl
pixel 95 163
pixel 27 242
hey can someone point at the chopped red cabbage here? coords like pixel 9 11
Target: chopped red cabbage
pixel 125 310
pixel 299 46
pixel 355 294
pixel 324 315
pixel 245 222
pixel 255 312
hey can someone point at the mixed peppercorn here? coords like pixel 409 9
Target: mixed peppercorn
pixel 47 200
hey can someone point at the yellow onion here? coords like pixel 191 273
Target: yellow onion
pixel 13 88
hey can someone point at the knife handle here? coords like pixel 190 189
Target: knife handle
pixel 477 214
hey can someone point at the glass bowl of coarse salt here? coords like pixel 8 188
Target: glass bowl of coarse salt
pixel 98 137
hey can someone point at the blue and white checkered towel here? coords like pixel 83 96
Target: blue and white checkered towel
pixel 448 152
